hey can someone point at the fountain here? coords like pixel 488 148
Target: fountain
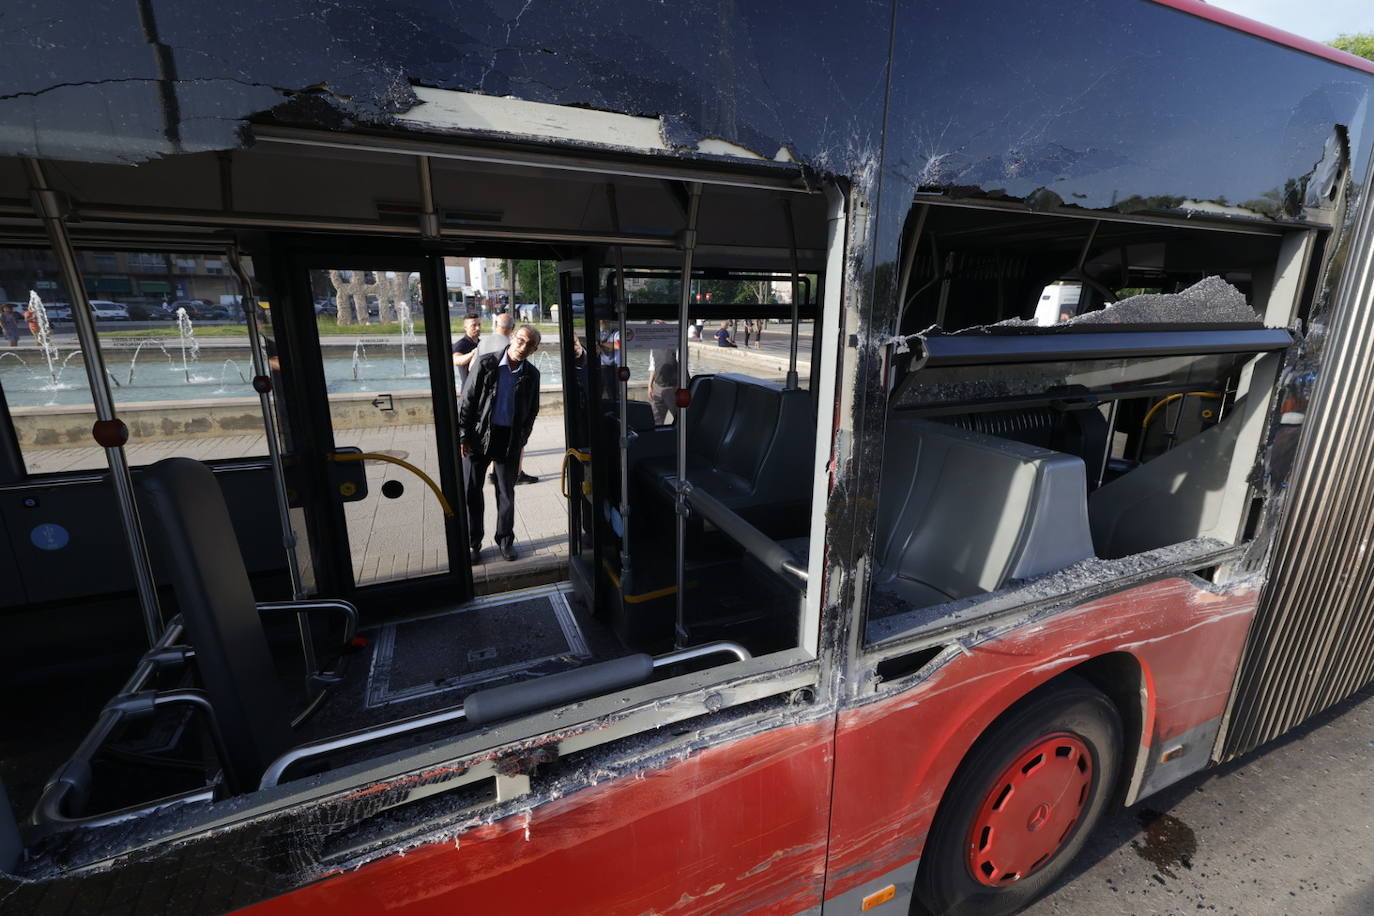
pixel 186 333
pixel 73 355
pixel 224 369
pixel 44 334
pixel 358 348
pixel 133 362
pixel 16 356
pixel 407 326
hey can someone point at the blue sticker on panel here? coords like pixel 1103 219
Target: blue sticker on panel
pixel 49 536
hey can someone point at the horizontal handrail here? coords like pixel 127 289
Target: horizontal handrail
pixel 511 700
pixel 690 653
pixel 348 610
pixel 757 544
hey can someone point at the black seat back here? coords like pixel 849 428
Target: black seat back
pixel 219 613
pixel 751 431
pixel 708 419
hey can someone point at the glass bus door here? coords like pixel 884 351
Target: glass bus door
pixel 374 459
pixel 581 397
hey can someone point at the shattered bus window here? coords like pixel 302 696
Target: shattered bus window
pixel 1035 429
pixel 1209 301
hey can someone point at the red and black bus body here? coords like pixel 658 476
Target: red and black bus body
pixel 939 165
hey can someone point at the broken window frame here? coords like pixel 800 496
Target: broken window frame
pixel 891 662
pixel 475 757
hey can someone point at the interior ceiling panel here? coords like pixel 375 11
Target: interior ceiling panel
pixel 298 184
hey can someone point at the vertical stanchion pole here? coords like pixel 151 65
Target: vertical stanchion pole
pixel 793 381
pixel 623 389
pixel 429 213
pixel 262 384
pixel 689 244
pixel 109 431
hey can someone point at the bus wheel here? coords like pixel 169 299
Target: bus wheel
pixel 1023 802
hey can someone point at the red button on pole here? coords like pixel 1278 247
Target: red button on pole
pixel 684 398
pixel 110 433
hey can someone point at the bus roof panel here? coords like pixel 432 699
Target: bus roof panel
pixel 1267 32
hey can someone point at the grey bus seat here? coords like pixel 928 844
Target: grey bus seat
pixel 1174 497
pixel 220 613
pixel 750 444
pixel 962 513
pixel 1077 432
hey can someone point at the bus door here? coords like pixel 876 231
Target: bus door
pixel 584 392
pixel 371 455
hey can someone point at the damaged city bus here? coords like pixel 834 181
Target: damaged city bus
pixel 879 615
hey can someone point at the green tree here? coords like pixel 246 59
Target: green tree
pixel 1361 44
pixel 529 275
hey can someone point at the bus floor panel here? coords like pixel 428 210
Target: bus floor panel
pixel 424 664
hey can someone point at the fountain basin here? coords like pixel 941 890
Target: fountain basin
pixel 69 425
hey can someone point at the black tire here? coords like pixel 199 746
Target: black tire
pixel 1070 711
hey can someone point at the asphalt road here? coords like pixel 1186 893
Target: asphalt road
pixel 1287 829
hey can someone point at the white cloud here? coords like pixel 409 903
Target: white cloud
pixel 1320 20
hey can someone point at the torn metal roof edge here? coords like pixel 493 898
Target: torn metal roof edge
pixel 532 151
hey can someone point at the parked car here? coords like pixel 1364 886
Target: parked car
pixel 109 311
pixel 147 311
pixel 58 311
pixel 199 309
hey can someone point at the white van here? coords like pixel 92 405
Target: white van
pixel 1058 303
pixel 105 309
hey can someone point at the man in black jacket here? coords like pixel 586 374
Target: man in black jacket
pixel 496 414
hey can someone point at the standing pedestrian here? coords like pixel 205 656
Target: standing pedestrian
pixel 496 342
pixel 608 351
pixel 499 338
pixel 465 348
pixel 748 331
pixel 9 322
pixel 663 383
pixel 495 418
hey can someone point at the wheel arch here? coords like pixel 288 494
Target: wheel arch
pixel 1126 681
pixel 1122 680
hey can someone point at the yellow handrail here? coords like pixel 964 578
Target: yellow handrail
pixel 1150 414
pixel 584 457
pixel 363 456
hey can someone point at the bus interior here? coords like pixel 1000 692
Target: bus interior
pixel 1011 453
pixel 1059 452
pixel 267 666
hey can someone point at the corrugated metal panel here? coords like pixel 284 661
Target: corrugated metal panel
pixel 1312 643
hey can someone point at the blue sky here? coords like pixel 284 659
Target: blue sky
pixel 1320 20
